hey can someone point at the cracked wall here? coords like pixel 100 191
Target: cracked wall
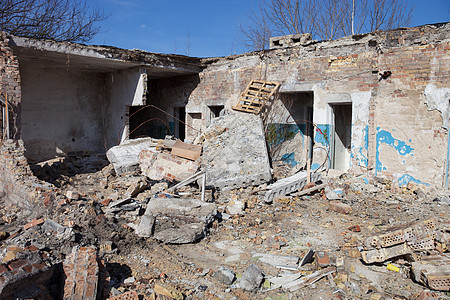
pixel 389 115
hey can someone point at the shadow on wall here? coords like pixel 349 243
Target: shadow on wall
pixel 166 101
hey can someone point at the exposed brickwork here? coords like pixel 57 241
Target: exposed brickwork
pixel 81 274
pixel 10 86
pixel 416 57
pixel 28 267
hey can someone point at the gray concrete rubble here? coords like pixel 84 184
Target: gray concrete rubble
pixel 252 278
pixel 125 157
pixel 164 165
pixel 224 275
pixel 277 260
pixel 176 221
pixel 289 185
pixel 235 153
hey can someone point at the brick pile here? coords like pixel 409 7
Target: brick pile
pixel 23 267
pixel 81 272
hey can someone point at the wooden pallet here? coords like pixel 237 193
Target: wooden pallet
pixel 256 95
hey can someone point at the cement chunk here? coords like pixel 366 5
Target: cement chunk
pixel 125 157
pixel 235 153
pixel 176 221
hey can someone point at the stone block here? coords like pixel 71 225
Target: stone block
pixel 224 275
pixel 164 165
pixel 125 157
pixel 235 153
pixel 289 185
pixel 252 278
pixel 176 221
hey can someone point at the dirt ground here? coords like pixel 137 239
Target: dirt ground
pixel 291 226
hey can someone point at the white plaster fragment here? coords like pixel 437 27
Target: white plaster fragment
pixel 438 99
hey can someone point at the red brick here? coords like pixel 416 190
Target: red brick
pixel 28 269
pixel 322 259
pixel 34 222
pixel 17 264
pixel 39 266
pixel 32 248
pixel 3 269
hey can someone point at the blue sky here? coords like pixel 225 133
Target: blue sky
pixel 199 27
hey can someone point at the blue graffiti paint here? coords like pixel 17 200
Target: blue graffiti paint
pixel 315 166
pixel 322 135
pixel 289 158
pixel 406 178
pixel 386 137
pixel 361 152
pixel 366 181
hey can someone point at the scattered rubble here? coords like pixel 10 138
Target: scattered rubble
pixel 154 229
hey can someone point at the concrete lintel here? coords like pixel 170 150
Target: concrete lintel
pixel 297 87
pixel 338 98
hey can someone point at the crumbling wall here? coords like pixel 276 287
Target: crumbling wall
pixel 410 140
pixel 15 174
pixel 10 87
pixel 382 75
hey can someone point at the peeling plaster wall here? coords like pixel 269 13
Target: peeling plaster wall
pixel 61 110
pixel 395 132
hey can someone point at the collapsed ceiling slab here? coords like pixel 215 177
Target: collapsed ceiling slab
pixel 102 58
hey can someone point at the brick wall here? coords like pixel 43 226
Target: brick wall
pixel 15 179
pixel 10 86
pixel 404 138
pixel 81 271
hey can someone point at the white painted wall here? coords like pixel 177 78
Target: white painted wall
pixel 61 110
pixel 125 87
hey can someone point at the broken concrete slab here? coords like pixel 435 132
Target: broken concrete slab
pixel 235 153
pixel 289 185
pixel 283 280
pixel 181 234
pixel 277 260
pixel 164 165
pixel 125 157
pixel 236 207
pixel 176 221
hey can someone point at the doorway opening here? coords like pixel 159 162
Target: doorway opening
pixel 341 136
pixel 180 127
pixel 146 121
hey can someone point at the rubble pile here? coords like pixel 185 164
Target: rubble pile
pixel 147 225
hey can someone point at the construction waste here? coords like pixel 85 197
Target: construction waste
pixel 162 219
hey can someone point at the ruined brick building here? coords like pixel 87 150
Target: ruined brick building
pixel 379 102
